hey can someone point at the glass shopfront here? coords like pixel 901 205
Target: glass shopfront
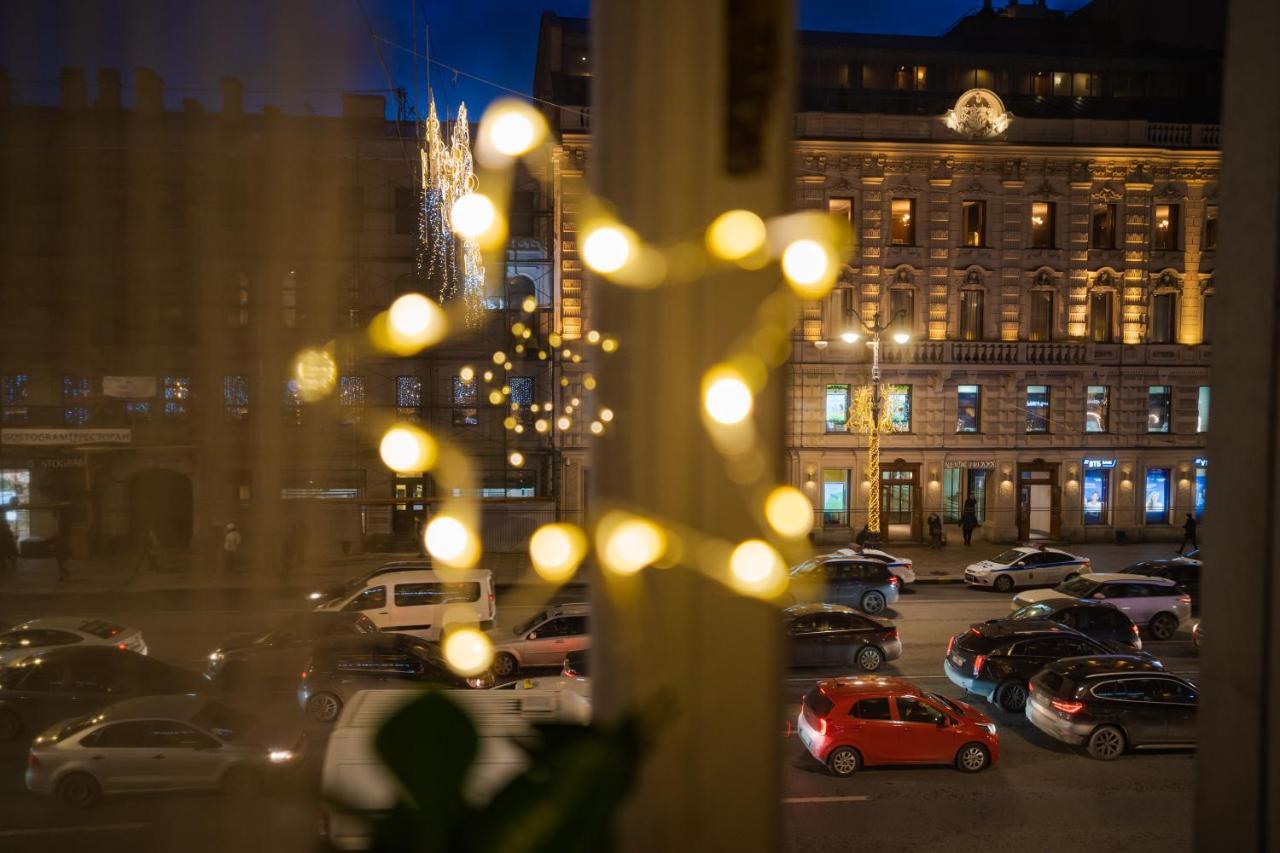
pixel 1156 496
pixel 1097 496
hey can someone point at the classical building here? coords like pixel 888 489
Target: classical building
pixel 1032 199
pixel 159 269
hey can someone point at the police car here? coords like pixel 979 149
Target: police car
pixel 1026 566
pixel 901 567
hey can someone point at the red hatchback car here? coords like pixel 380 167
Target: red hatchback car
pixel 848 722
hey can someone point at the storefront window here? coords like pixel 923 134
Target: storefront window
pixel 1202 479
pixel 1097 504
pixel 1095 413
pixel 837 408
pixel 1202 409
pixel 968 408
pixel 835 497
pixel 900 407
pixel 1037 408
pixel 1158 399
pixel 959 484
pixel 15 488
pixel 977 478
pixel 951 498
pixel 1156 496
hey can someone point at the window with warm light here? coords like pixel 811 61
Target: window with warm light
pixel 968 408
pixel 465 408
pixel 1037 408
pixel 1062 83
pixel 1210 241
pixel 1163 317
pixel 1097 400
pixel 175 390
pixel 837 408
pixel 1164 227
pixel 841 208
pixel 1159 402
pixel 1040 327
pixel 899 401
pixel 1100 308
pixel 973 223
pixel 1043 215
pixel 971 310
pixel 1102 226
pixel 902 222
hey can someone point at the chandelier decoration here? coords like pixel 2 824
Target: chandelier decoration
pixel 447 174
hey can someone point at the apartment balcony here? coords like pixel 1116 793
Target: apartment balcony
pixel 1047 353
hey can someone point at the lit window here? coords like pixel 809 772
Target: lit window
pixel 968 408
pixel 13 397
pixel 408 396
pixel 137 410
pixel 176 392
pixel 1097 496
pixel 75 392
pixel 1202 409
pixel 835 497
pixel 902 222
pixel 1164 228
pixel 837 408
pixel 465 411
pixel 973 219
pixel 899 397
pixel 1097 401
pixel 1037 408
pixel 1156 496
pixel 841 208
pixel 1042 224
pixel 1158 405
pixel 235 397
pixel 351 398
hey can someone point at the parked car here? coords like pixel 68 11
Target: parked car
pixel 834 635
pixel 355 776
pixel 1183 571
pixel 1095 619
pixel 577 665
pixel 1026 566
pixel 1157 604
pixel 277 655
pixel 50 632
pixel 541 640
pixel 996 659
pixel 155 743
pixel 341 668
pixel 849 723
pixel 415 601
pixel 343 590
pixel 902 567
pixel 865 584
pixel 1112 704
pixel 39 690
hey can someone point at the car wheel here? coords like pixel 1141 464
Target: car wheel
pixel 1004 583
pixel 844 761
pixel 873 602
pixel 241 781
pixel 324 707
pixel 10 726
pixel 79 790
pixel 1163 626
pixel 505 664
pixel 1012 696
pixel 870 658
pixel 972 757
pixel 1106 743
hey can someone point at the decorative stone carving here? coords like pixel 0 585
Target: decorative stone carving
pixel 1043 278
pixel 1140 173
pixel 978 114
pixel 942 168
pixel 903 275
pixel 1107 193
pixel 873 166
pixel 1043 189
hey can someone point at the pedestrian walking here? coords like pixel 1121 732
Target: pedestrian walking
pixel 1189 533
pixel 8 546
pixel 935 531
pixel 969 519
pixel 148 551
pixel 231 549
pixel 861 538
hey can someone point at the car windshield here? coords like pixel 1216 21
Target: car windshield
pixel 1032 611
pixel 939 699
pixel 528 625
pixel 224 721
pixel 807 566
pixel 76 726
pixel 1008 557
pixel 1078 587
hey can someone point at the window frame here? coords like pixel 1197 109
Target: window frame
pixel 1171 241
pixel 1049 228
pixel 910 226
pixel 1153 394
pixel 979 240
pixel 1044 420
pixel 976 390
pixel 1111 213
pixel 828 395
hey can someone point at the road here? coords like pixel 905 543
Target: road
pixel 1041 794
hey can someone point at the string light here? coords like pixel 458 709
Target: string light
pixel 467 373
pixel 556 551
pixel 736 235
pixel 755 568
pixel 451 542
pixel 789 512
pixel 606 415
pixel 408 449
pixel 627 543
pixel 468 651
pixel 516 459
pixel 725 395
pixel 447 175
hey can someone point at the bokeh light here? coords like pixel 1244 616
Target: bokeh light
pixel 316 373
pixel 725 395
pixel 509 128
pixel 516 458
pixel 735 235
pixel 556 551
pixel 606 414
pixel 473 215
pixel 408 449
pixel 809 268
pixel 607 248
pixel 627 543
pixel 451 542
pixel 468 651
pixel 789 512
pixel 756 568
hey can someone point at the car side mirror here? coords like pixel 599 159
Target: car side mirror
pixel 533 635
pixel 1097 596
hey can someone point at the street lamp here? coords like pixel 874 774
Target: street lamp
pixel 850 335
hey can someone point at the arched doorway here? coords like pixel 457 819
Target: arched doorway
pixel 161 499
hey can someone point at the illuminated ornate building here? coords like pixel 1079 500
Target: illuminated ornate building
pixel 1032 197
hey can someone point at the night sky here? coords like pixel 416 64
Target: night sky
pixel 299 54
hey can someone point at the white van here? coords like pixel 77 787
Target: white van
pixel 354 775
pixel 413 601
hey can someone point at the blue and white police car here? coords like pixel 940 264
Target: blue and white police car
pixel 1026 566
pixel 901 567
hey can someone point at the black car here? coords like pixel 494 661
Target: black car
pixel 342 667
pixel 1111 704
pixel 1095 619
pixel 832 635
pixel 576 664
pixel 276 656
pixel 996 659
pixel 42 689
pixel 1183 571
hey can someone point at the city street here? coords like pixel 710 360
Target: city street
pixel 1040 793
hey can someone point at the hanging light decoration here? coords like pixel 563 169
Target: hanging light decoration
pixel 447 175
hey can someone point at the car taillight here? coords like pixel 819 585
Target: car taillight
pixel 124 647
pixel 1067 707
pixel 1133 629
pixel 822 725
pixel 893 633
pixel 32 761
pixel 304 675
pixel 1184 599
pixel 951 644
pixel 894 580
pixel 978 661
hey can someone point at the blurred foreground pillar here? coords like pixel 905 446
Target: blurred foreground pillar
pixel 691 115
pixel 1238 782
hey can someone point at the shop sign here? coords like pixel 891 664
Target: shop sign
pixel 1099 463
pixel 988 464
pixel 1202 462
pixel 34 437
pixel 129 387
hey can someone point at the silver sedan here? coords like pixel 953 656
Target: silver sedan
pixel 157 743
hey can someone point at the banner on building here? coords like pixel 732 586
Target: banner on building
pixel 35 437
pixel 129 387
pixel 988 464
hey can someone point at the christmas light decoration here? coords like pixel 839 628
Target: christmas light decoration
pixel 447 175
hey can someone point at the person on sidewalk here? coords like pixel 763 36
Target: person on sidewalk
pixel 1189 534
pixel 969 519
pixel 148 552
pixel 231 549
pixel 8 546
pixel 861 538
pixel 935 531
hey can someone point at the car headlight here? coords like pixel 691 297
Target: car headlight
pixel 991 728
pixel 215 656
pixel 315 596
pixel 280 756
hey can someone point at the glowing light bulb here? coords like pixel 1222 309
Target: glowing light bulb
pixel 563 424
pixel 488 376
pixel 735 234
pixel 514 128
pixel 541 425
pixel 509 422
pixel 408 449
pixel 495 397
pixel 413 323
pixel 516 459
pixel 597 427
pixel 627 543
pixel 468 651
pixel 609 345
pixel 901 337
pixel 556 551
pixel 849 337
pixel 725 396
pixel 451 542
pixel 593 337
pixel 316 373
pixel 589 382
pixel 472 215
pixel 755 568
pixel 529 305
pixel 606 415
pixel 808 268
pixel 606 249
pixel 466 374
pixel 789 512
pixel 499 357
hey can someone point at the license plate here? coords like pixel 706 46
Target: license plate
pixel 957 660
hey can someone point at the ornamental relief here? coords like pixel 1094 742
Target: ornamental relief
pixel 1170 192
pixel 1106 193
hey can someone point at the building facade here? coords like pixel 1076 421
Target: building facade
pixel 1032 201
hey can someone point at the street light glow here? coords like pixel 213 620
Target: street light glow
pixel 849 337
pixel 901 337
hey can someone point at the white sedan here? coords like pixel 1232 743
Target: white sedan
pixel 1026 566
pixel 36 635
pixel 901 567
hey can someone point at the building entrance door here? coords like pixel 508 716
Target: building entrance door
pixel 899 502
pixel 1037 501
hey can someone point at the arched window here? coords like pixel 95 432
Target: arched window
pixel 1163 325
pixel 971 325
pixel 519 288
pixel 1102 307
